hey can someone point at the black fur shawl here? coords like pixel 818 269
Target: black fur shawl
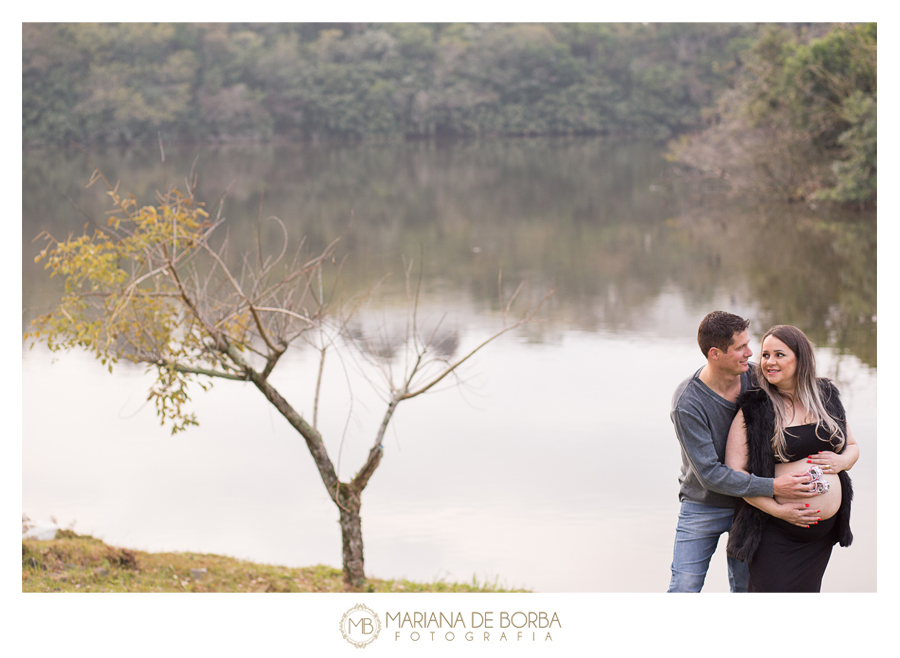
pixel 759 420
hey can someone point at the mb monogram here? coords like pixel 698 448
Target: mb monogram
pixel 360 626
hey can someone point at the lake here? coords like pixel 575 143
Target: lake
pixel 514 474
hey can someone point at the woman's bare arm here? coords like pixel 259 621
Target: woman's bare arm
pixel 736 447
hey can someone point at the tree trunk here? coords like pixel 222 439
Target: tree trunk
pixel 347 496
pixel 351 535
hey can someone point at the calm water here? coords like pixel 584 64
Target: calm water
pixel 524 472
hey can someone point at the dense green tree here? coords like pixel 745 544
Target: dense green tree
pixel 801 122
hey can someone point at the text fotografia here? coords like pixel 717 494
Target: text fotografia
pixel 482 626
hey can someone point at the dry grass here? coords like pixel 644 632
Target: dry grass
pixel 80 563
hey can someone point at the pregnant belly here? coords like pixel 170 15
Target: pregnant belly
pixel 828 502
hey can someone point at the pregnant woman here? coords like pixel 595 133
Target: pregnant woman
pixel 794 422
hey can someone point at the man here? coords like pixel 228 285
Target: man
pixel 703 409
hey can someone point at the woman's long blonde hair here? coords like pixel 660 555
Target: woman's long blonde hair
pixel 806 392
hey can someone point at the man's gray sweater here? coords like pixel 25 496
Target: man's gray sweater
pixel 702 419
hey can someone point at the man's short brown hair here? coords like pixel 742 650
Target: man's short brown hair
pixel 718 329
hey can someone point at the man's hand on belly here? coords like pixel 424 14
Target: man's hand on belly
pixel 794 485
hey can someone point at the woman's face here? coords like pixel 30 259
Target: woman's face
pixel 778 363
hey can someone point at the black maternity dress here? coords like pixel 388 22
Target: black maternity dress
pixel 790 558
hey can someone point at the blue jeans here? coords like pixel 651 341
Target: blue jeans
pixel 696 537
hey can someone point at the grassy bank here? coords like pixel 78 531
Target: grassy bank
pixel 80 563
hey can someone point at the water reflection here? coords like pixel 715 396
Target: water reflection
pixel 574 215
pixel 517 473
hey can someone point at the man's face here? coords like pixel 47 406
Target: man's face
pixel 736 359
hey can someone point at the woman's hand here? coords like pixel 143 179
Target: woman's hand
pixel 829 462
pixel 800 514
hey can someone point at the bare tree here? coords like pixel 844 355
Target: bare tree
pixel 156 285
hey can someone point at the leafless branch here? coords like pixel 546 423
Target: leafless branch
pixel 524 319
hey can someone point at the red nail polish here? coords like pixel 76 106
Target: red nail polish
pixel 807 504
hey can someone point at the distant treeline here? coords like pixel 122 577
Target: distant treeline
pixel 126 82
pixel 784 110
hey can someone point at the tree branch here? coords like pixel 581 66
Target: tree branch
pixel 313 439
pixel 191 370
